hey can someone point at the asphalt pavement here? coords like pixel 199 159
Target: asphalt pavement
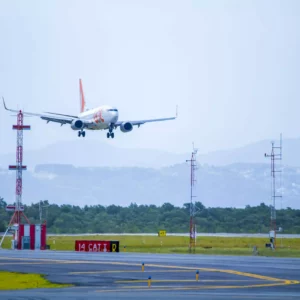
pixel 122 276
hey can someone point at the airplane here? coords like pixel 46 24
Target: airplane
pixel 104 117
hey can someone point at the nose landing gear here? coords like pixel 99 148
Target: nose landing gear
pixel 110 133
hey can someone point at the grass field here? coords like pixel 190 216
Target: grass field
pixel 18 281
pixel 287 247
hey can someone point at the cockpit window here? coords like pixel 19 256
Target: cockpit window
pixel 112 109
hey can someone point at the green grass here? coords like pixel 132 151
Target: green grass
pixel 19 281
pixel 287 247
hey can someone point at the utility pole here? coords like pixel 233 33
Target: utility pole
pixel 193 165
pixel 276 155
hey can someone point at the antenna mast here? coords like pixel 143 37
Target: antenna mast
pixel 193 164
pixel 18 208
pixel 42 205
pixel 274 157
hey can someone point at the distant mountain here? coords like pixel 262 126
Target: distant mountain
pixel 93 153
pixel 254 153
pixel 235 185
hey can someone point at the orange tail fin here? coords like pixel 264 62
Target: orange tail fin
pixel 81 95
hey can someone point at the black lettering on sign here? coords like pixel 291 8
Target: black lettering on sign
pixel 114 246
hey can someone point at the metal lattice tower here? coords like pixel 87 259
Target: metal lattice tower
pixel 43 205
pixel 17 207
pixel 274 187
pixel 193 165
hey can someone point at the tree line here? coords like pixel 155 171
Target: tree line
pixel 151 218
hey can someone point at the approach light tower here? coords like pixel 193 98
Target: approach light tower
pixel 274 157
pixel 17 208
pixel 193 164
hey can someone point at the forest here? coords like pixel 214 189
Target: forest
pixel 150 218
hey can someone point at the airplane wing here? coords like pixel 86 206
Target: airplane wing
pixel 49 117
pixel 140 122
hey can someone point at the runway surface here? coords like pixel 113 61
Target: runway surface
pixel 120 276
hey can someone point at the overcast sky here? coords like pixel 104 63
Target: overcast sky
pixel 232 67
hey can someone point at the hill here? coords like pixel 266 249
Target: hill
pixel 235 185
pixel 94 153
pixel 254 153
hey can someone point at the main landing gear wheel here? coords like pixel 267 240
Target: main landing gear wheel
pixel 81 133
pixel 110 134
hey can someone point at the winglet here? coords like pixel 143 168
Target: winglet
pixel 9 109
pixel 4 104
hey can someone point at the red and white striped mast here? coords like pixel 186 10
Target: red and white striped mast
pixel 16 218
pixel 17 208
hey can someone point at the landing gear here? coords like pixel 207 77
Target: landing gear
pixel 81 133
pixel 110 133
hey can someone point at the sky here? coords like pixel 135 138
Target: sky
pixel 232 67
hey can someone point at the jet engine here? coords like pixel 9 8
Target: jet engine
pixel 126 127
pixel 77 125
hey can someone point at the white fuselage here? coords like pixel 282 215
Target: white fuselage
pixel 100 118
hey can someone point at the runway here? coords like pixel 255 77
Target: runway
pixel 120 275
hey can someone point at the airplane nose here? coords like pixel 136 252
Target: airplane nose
pixel 115 118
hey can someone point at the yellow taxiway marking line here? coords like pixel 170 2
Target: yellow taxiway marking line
pixel 130 271
pixel 24 263
pixel 248 275
pixel 268 278
pixel 183 280
pixel 73 261
pixel 174 288
pixel 137 287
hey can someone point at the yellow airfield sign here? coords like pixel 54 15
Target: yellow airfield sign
pixel 162 233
